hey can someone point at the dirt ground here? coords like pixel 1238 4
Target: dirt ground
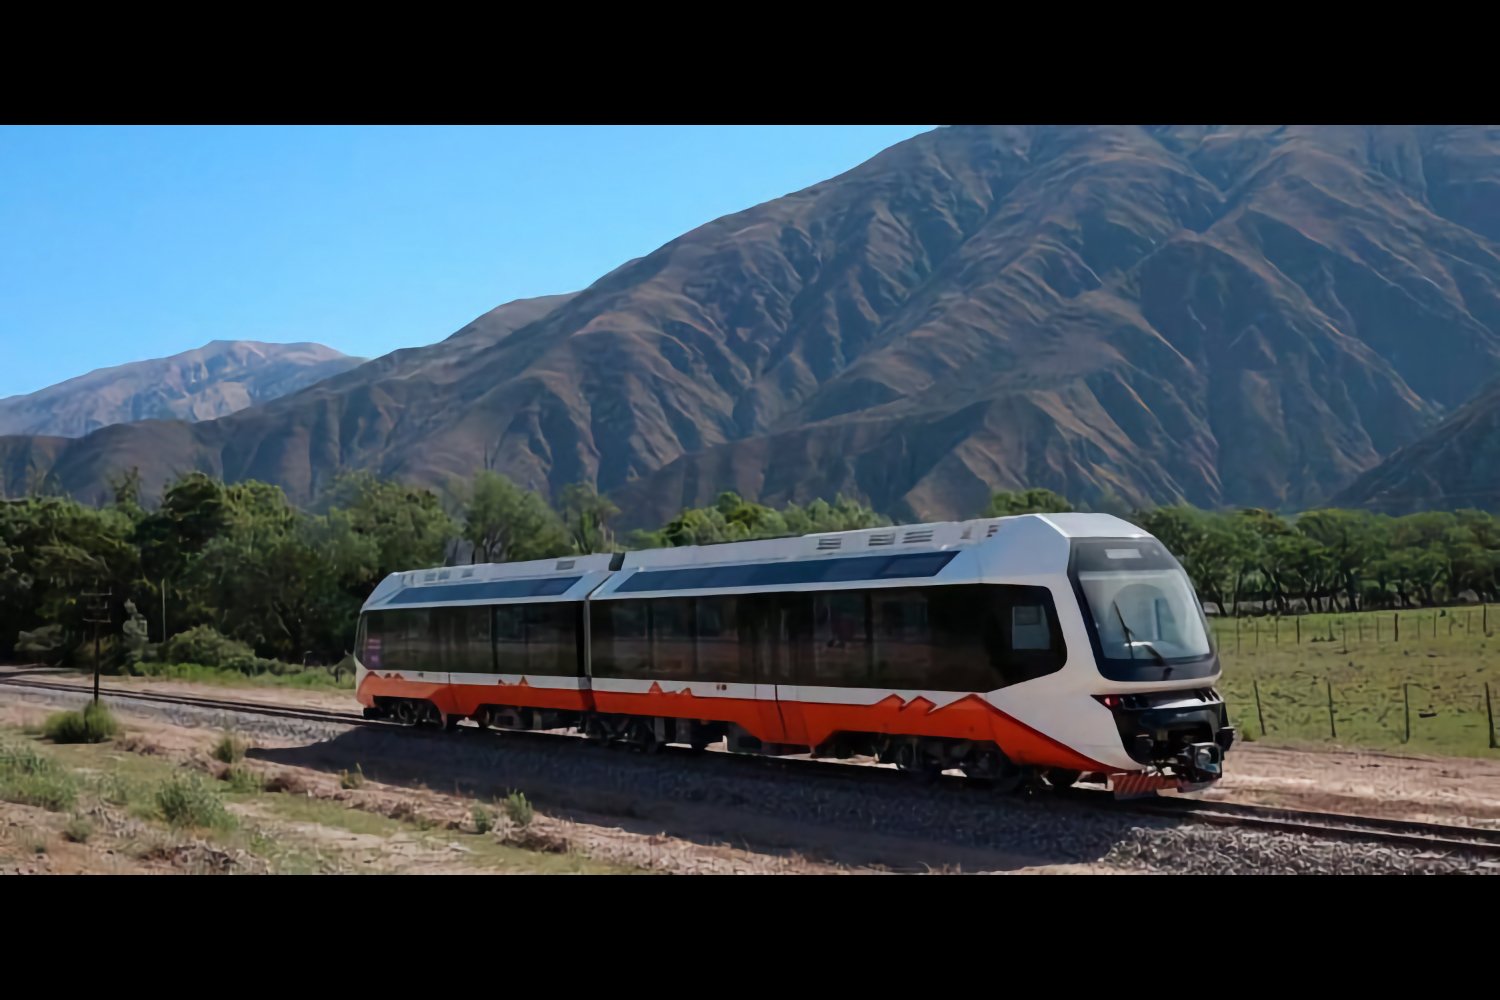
pixel 1462 790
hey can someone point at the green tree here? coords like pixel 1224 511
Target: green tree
pixel 505 523
pixel 587 516
pixel 1005 503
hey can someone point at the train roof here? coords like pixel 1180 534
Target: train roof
pixel 888 554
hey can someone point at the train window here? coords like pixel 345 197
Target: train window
pixel 961 660
pixel 903 639
pixel 841 646
pixel 1029 643
pixel 416 652
pixel 718 637
pixel 1028 627
pixel 509 629
pixel 372 648
pixel 620 639
pixel 550 645
pixel 672 638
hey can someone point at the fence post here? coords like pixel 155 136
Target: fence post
pixel 1485 625
pixel 1257 633
pixel 1332 732
pixel 1346 637
pixel 1276 630
pixel 1377 629
pixel 1396 620
pixel 1406 706
pixel 1299 631
pixel 1238 633
pixel 1261 715
pixel 1489 711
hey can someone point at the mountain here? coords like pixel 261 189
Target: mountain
pixel 213 381
pixel 1455 465
pixel 1251 315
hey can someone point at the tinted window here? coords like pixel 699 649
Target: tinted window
pixel 620 638
pixel 719 640
pixel 903 639
pixel 672 638
pixel 461 638
pixel 841 643
pixel 550 645
pixel 510 639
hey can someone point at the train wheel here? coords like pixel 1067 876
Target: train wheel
pixel 404 712
pixel 482 718
pixel 1059 777
pixel 643 736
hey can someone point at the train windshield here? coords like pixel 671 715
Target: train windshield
pixel 1141 603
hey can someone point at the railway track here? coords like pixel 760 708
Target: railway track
pixel 1434 837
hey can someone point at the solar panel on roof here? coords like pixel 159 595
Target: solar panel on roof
pixel 883 567
pixel 491 590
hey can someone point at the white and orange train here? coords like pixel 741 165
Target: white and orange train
pixel 1043 646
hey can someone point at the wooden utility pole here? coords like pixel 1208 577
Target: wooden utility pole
pixel 96 613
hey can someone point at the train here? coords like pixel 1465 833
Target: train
pixel 1031 651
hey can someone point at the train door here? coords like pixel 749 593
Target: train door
pixel 774 628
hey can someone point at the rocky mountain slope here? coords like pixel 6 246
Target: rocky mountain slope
pixel 1251 315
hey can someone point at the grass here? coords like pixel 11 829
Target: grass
pixel 183 807
pixel 1433 676
pixel 519 809
pixel 230 749
pixel 32 778
pixel 484 820
pixel 197 673
pixel 352 779
pixel 94 724
pixel 189 801
pixel 78 830
pixel 242 780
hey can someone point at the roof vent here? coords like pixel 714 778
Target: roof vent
pixel 445 574
pixel 466 573
pixel 991 533
pixel 565 563
pixel 429 576
pixel 882 538
pixel 830 543
pixel 918 535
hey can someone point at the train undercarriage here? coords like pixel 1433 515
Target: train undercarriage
pixel 926 758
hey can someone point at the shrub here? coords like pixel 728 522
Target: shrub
pixel 78 830
pixel 31 778
pixel 518 809
pixel 185 800
pixel 352 779
pixel 242 779
pixel 202 644
pixel 47 644
pixel 230 749
pixel 94 724
pixel 484 820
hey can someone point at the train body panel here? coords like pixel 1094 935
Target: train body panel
pixel 1063 642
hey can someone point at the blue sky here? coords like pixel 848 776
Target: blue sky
pixel 118 244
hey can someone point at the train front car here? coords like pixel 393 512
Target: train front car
pixel 1152 665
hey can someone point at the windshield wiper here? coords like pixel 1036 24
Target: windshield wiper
pixel 1130 639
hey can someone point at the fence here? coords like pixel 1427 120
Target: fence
pixel 1427 679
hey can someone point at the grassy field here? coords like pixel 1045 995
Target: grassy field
pixel 1384 671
